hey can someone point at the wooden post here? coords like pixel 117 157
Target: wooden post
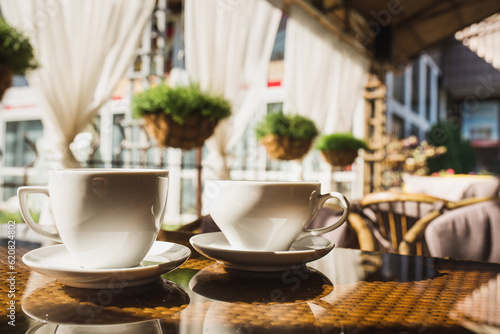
pixel 375 134
pixel 199 185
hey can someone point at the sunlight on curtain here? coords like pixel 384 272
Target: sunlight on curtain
pixel 228 48
pixel 324 78
pixel 84 48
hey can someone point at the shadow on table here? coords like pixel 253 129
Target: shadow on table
pixel 62 304
pixel 297 284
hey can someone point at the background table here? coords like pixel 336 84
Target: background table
pixel 346 291
pixel 453 187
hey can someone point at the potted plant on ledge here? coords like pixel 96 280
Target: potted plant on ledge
pixel 286 137
pixel 16 55
pixel 340 149
pixel 181 117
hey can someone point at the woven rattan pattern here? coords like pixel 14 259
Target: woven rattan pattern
pixel 169 133
pixel 284 148
pixel 416 304
pixel 20 274
pixel 157 300
pixel 340 158
pixel 377 303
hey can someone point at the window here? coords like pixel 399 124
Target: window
pixel 188 197
pixel 10 185
pixel 189 157
pixel 278 52
pixel 398 90
pixel 480 125
pixel 20 141
pixel 274 107
pixel 20 138
pixel 414 131
pixel 428 95
pixel 398 127
pixel 118 137
pixel 415 86
pixel 19 81
pixel 245 150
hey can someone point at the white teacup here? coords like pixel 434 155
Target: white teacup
pixel 106 218
pixel 268 216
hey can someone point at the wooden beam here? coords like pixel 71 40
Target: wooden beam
pixel 457 12
pixel 428 12
pixel 347 27
pixel 332 9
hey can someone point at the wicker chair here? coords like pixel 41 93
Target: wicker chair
pixel 397 220
pixel 468 231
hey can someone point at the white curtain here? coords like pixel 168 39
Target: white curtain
pixel 228 47
pixel 84 48
pixel 324 79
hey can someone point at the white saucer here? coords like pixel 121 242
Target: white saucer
pixel 215 246
pixel 152 326
pixel 56 262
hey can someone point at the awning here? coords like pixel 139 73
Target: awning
pixel 400 30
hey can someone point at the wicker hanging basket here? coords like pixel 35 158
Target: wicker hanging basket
pixel 5 79
pixel 168 133
pixel 340 158
pixel 284 148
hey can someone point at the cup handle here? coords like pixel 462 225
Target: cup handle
pixel 321 201
pixel 22 195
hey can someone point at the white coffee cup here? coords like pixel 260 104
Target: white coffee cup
pixel 106 218
pixel 268 216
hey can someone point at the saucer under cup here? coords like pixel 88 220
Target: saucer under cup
pixel 56 262
pixel 215 246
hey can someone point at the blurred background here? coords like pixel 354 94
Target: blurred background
pixel 419 82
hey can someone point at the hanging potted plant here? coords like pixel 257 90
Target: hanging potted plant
pixel 16 55
pixel 181 117
pixel 340 149
pixel 286 137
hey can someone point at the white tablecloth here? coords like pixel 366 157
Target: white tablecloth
pixel 453 187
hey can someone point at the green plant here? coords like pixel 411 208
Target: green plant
pixel 16 52
pixel 340 142
pixel 6 216
pixel 295 127
pixel 459 154
pixel 180 103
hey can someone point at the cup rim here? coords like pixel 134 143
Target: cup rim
pixel 109 170
pixel 265 182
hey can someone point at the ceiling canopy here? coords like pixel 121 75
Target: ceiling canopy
pixel 395 31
